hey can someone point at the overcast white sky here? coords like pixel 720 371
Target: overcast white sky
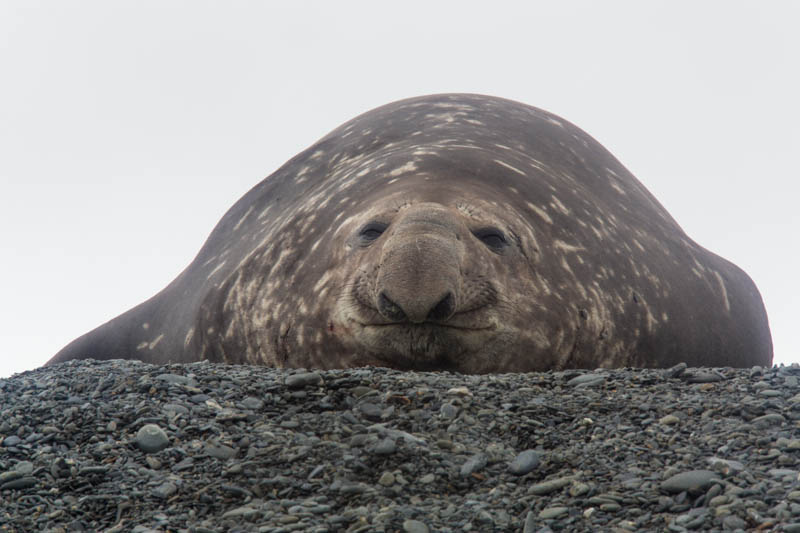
pixel 127 129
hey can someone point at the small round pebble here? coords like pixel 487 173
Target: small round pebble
pixel 524 463
pixel 415 526
pixel 151 439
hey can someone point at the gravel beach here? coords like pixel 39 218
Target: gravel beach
pixel 126 446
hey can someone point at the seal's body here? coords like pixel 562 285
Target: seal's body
pixel 454 232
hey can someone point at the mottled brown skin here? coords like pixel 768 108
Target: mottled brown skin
pixel 453 232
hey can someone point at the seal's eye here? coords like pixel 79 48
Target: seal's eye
pixel 492 237
pixel 371 231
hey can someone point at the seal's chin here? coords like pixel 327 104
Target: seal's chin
pixel 425 346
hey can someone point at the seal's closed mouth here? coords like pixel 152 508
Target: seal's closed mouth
pixel 430 325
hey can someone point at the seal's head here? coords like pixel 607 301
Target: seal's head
pixel 435 278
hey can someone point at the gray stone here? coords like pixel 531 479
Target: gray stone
pixel 150 438
pixel 550 485
pixel 415 526
pixel 165 490
pixel 386 446
pixel 220 451
pixel 586 380
pixel 524 463
pixel 553 512
pixel 692 481
pixel 473 464
pixel 303 379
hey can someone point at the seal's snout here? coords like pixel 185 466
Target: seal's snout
pixel 438 311
pixel 419 275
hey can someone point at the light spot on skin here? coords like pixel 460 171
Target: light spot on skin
pixel 188 338
pixel 155 341
pixel 231 331
pixel 264 212
pixel 561 245
pixel 215 270
pixel 651 320
pixel 322 281
pixel 635 269
pixel 699 266
pixel 541 212
pixel 724 291
pixel 538 165
pixel 241 220
pixel 515 169
pixel 565 265
pixel 286 252
pixel 558 205
pixel 408 167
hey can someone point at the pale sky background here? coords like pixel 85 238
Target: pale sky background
pixel 127 129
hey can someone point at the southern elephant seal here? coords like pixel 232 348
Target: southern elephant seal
pixel 448 232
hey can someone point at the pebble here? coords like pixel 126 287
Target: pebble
pixel 386 479
pixel 524 463
pixel 551 485
pixel 692 481
pixel 11 441
pixel 473 464
pixel 19 483
pixel 586 380
pixel 703 377
pixel 303 379
pixel 415 526
pixel 151 439
pixel 552 512
pixel 669 420
pixel 371 411
pixel 165 490
pixel 371 449
pixel 675 371
pixel 220 451
pixel 386 446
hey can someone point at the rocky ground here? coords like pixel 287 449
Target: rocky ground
pixel 126 446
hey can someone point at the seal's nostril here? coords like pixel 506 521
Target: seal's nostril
pixel 444 309
pixel 389 309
